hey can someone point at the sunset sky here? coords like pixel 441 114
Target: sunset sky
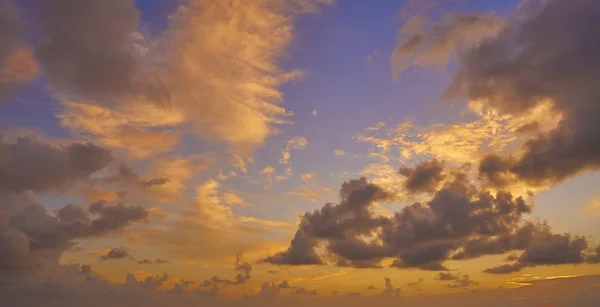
pixel 252 152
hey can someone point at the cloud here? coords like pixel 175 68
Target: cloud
pixel 548 249
pixel 33 239
pixel 151 282
pixel 145 261
pixel 268 170
pixel 17 65
pixel 242 277
pixel 446 276
pixel 460 222
pixel 424 177
pixel 551 65
pixel 389 289
pixel 295 143
pixel 342 153
pixel 457 280
pixel 116 253
pixel 308 176
pixel 161 261
pixel 304 291
pixel 235 102
pixel 140 131
pixel 69 286
pixel 87 47
pixel 426 43
pixel 28 162
pixel 416 284
pixel 180 286
pixel 334 221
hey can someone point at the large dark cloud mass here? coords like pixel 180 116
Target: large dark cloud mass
pixel 547 51
pixel 87 45
pixel 30 163
pixel 31 238
pixel 341 223
pixel 460 222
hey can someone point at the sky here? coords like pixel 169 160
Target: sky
pixel 230 152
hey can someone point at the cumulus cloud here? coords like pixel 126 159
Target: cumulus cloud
pixel 554 63
pixel 548 249
pixel 116 253
pixel 28 162
pixel 424 177
pixel 334 221
pixel 460 222
pixel 33 238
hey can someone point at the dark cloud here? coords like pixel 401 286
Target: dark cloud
pixel 389 289
pixel 463 282
pixel 152 282
pixel 31 238
pixel 145 261
pixel 116 253
pixel 284 285
pixel 126 174
pixel 548 249
pixel 504 269
pixel 595 256
pixel 460 222
pixel 556 60
pixel 339 223
pixel 424 177
pixel 30 163
pixel 457 280
pixel 87 46
pixel 446 276
pixel 112 217
pixel 243 274
pixel 180 286
pixel 416 284
pixel 85 269
pixel 424 42
pixel 154 181
pixel 371 287
pixel 161 261
pixel 268 290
